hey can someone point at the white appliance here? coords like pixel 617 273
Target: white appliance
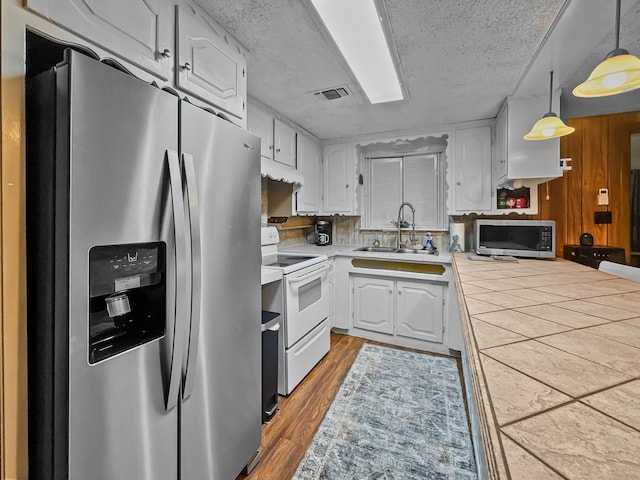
pixel 305 336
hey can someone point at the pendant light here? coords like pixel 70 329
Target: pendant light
pixel 549 126
pixel 619 72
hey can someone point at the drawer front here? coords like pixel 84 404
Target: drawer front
pixel 301 359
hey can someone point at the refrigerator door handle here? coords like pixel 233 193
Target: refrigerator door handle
pixel 181 304
pixel 196 274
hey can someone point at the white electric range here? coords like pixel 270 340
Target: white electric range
pixel 305 336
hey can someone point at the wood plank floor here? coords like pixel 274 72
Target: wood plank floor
pixel 289 433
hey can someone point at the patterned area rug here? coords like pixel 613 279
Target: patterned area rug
pixel 398 415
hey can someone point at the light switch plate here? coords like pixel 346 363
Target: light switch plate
pixel 603 196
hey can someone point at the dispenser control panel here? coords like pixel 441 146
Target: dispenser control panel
pixel 127 298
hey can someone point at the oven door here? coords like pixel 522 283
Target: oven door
pixel 307 301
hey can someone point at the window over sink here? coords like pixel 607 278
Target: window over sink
pixel 390 181
pixel 403 170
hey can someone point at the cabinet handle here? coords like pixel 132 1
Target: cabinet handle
pixel 270 147
pixel 458 183
pixel 166 53
pixel 277 150
pixel 390 291
pixel 187 67
pixel 399 292
pixel 347 185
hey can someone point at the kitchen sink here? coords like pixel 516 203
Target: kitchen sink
pixel 394 250
pixel 371 248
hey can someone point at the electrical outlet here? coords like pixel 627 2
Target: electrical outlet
pixel 603 196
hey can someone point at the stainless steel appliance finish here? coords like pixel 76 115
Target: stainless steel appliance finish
pixel 518 238
pixel 185 405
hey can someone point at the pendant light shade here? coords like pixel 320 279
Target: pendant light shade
pixel 549 126
pixel 616 74
pixel 619 72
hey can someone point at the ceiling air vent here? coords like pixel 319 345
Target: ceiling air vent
pixel 332 93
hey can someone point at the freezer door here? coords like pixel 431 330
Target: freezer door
pixel 220 417
pixel 120 132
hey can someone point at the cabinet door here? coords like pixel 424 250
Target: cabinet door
pixel 500 162
pixel 332 289
pixel 473 169
pixel 285 143
pixel 527 158
pixel 338 179
pixel 140 31
pixel 372 304
pixel 419 310
pixel 260 123
pixel 210 65
pixel 309 156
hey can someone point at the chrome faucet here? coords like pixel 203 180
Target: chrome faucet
pixel 403 223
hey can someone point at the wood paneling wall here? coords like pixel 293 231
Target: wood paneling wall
pixel 600 153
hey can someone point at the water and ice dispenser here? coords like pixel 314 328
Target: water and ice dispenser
pixel 127 290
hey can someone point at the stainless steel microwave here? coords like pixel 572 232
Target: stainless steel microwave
pixel 518 238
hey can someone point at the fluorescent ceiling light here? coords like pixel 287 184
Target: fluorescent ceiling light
pixel 357 30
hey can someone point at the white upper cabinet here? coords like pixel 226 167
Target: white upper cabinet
pixel 138 30
pixel 278 139
pixel 472 170
pixel 309 196
pixel 517 158
pixel 210 64
pixel 260 123
pixel 177 43
pixel 339 179
pixel 284 143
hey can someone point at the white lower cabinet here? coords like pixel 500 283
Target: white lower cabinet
pixel 419 310
pixel 373 302
pixel 407 308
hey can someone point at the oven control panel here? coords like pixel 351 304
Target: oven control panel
pixel 269 236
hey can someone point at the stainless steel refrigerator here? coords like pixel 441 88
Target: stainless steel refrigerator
pixel 143 281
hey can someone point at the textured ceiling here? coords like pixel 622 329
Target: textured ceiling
pixel 460 59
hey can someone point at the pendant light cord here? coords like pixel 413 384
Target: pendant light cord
pixel 550 91
pixel 618 24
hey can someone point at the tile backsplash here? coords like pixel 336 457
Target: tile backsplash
pixel 346 231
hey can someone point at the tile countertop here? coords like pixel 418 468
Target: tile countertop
pixel 553 351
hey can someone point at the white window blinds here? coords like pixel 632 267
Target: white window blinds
pixel 392 180
pixel 385 192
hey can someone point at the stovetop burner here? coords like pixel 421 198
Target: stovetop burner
pixel 283 260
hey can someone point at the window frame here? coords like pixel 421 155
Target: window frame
pixel 440 220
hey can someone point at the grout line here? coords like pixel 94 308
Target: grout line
pixel 553 469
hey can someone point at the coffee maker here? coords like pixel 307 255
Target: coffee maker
pixel 323 231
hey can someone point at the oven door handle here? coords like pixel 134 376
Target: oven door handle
pixel 308 275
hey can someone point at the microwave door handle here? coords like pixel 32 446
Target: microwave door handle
pixel 181 257
pixel 196 274
pixel 307 275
